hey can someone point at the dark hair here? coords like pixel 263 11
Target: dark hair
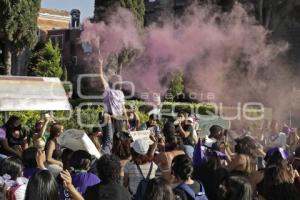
pixel 140 159
pixel 236 188
pixel 174 143
pixel 81 160
pixel 96 129
pixel 276 172
pixel 247 146
pixel 54 130
pixel 169 130
pixel 213 162
pixel 109 169
pixel 39 126
pixel 13 122
pixel 154 117
pixel 181 113
pixel 42 185
pixel 182 167
pixel 28 157
pixel 12 166
pixel 284 191
pixel 121 146
pixel 215 130
pixel 158 189
pixel 2 192
pixel 66 156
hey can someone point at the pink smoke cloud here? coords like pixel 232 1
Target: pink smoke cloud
pixel 229 54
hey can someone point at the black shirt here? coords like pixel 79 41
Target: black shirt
pixel 210 178
pixel 111 191
pixel 189 139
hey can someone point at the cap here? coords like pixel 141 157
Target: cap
pixel 140 146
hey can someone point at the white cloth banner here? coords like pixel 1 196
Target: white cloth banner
pixel 78 140
pixel 144 135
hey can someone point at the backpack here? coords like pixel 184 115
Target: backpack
pixel 141 189
pixel 190 192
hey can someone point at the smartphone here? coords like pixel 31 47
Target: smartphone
pixel 260 163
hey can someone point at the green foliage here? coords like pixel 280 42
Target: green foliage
pixel 143 117
pixel 46 61
pixel 88 115
pixel 176 86
pixel 137 7
pixel 28 118
pixel 103 8
pixel 19 21
pixel 18 28
pixel 198 108
pixel 126 57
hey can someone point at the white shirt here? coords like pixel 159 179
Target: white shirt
pixel 135 176
pixel 114 102
pixel 277 140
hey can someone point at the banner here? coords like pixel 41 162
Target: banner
pixel 78 140
pixel 144 135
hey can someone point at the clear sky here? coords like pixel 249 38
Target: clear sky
pixel 86 7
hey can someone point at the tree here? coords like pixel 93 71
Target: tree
pixel 104 8
pixel 46 61
pixel 18 27
pixel 176 86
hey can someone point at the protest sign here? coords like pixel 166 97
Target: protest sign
pixel 144 135
pixel 78 140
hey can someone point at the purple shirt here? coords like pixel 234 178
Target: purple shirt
pixel 81 181
pixel 28 172
pixel 2 133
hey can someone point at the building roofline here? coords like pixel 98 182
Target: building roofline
pixel 55 17
pixel 55 12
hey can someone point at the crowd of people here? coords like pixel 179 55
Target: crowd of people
pixel 174 163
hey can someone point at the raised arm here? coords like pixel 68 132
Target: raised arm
pixel 42 131
pixel 103 82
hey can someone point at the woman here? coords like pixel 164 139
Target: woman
pixel 211 173
pixel 294 140
pixel 133 118
pixel 236 188
pixel 159 189
pixel 96 137
pixel 53 150
pixel 139 167
pixel 38 139
pixel 244 162
pixel 42 186
pixel 29 161
pixel 278 181
pixel 174 147
pixel 187 188
pixel 121 148
pixel 109 168
pixel 11 172
pixel 12 138
pixel 80 163
pixel 276 138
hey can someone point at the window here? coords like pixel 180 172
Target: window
pixel 74 60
